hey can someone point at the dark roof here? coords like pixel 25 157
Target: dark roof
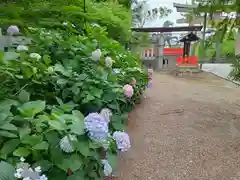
pixel 168 29
pixel 190 37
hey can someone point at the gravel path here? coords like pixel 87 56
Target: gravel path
pixel 186 129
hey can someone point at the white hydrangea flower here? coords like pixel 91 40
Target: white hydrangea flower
pixel 108 61
pixel 27 178
pixel 30 169
pixel 35 56
pixel 43 177
pixel 107 168
pixel 38 169
pixel 19 170
pixel 66 145
pixel 22 48
pixel 22 159
pixel 12 30
pixel 25 172
pixel 18 175
pixel 106 114
pixel 96 55
pixel 116 70
pixel 65 23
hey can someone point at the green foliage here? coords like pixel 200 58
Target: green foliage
pixel 235 73
pixel 51 14
pixel 36 128
pixel 225 27
pixel 46 99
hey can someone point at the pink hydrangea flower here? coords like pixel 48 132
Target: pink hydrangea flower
pixel 128 90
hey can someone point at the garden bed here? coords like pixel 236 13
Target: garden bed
pixel 64 99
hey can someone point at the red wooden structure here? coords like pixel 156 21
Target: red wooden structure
pixel 187 61
pixel 180 60
pixel 166 51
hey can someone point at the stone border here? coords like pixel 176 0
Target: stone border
pixel 229 80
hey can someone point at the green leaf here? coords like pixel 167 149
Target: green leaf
pixel 30 109
pixel 47 59
pixel 109 96
pixel 6 171
pixel 60 68
pixel 82 76
pixel 62 81
pixel 94 145
pixel 78 115
pixel 83 148
pixel 9 127
pixel 52 138
pixel 57 125
pixel 24 131
pixel 112 160
pixel 32 140
pixel 6 105
pixel 75 90
pixel 114 106
pixel 74 162
pixel 76 177
pixel 56 154
pixel 97 92
pixel 41 146
pixel 118 125
pixel 9 147
pixel 24 96
pixel 21 152
pixel 77 127
pixel 44 164
pixel 58 174
pixel 7 134
pixel 68 107
pixel 3 117
pixel 60 102
pixel 88 98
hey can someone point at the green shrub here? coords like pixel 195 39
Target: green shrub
pixel 49 89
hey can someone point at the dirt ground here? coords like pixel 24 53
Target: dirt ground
pixel 186 129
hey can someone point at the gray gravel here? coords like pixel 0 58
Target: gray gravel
pixel 186 129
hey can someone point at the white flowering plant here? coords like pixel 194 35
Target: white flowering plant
pixel 54 140
pixel 64 102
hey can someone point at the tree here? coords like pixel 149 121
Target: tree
pixel 226 26
pixel 168 36
pixel 52 13
pixel 141 13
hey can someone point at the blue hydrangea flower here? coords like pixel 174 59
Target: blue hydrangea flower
pixel 96 126
pixel 122 140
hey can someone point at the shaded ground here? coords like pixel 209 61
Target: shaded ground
pixel 186 129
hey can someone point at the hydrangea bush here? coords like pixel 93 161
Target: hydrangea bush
pixel 65 99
